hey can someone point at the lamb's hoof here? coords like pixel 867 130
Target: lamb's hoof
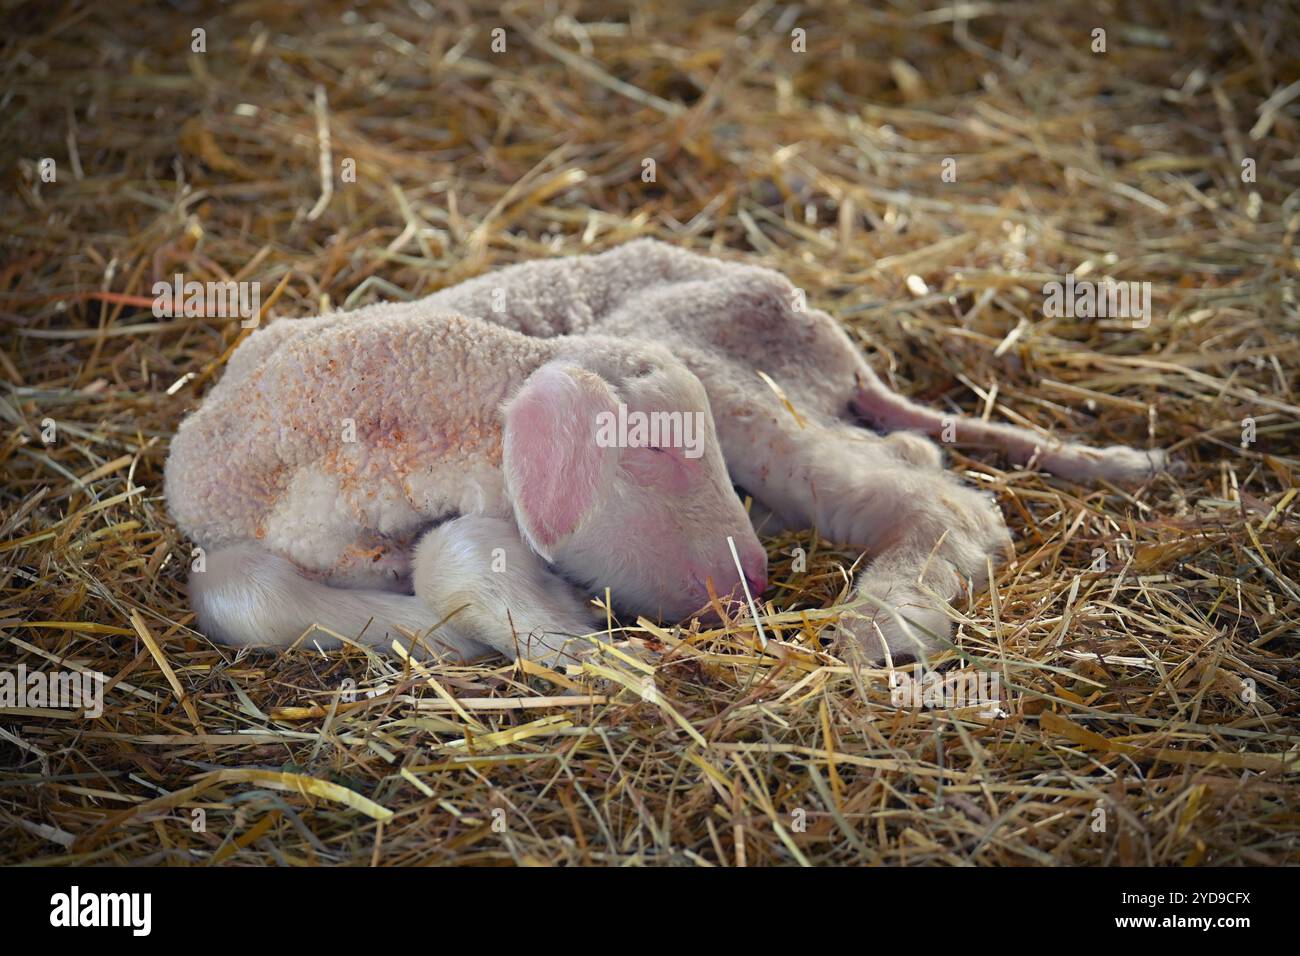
pixel 1140 464
pixel 911 627
pixel 1118 463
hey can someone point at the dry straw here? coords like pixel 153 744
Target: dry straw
pixel 1150 699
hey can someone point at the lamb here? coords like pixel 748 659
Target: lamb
pixel 473 410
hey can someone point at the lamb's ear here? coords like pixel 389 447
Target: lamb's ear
pixel 555 470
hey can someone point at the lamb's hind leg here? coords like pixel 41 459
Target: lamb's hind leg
pixel 248 596
pixel 881 406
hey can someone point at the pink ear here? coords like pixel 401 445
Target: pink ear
pixel 554 468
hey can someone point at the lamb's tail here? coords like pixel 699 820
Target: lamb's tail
pixel 248 596
pixel 887 409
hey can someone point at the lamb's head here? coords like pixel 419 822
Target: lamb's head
pixel 614 471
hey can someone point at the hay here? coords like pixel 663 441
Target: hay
pixel 1150 704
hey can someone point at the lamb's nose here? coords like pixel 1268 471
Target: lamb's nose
pixel 756 572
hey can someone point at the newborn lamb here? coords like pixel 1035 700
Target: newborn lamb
pixel 448 463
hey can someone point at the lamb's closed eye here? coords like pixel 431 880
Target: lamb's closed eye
pixel 659 468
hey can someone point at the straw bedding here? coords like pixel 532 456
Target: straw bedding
pixel 1144 640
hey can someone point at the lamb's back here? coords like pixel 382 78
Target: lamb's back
pixel 377 393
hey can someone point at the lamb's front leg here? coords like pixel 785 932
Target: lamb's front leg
pixel 939 541
pixel 499 593
pixel 925 531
